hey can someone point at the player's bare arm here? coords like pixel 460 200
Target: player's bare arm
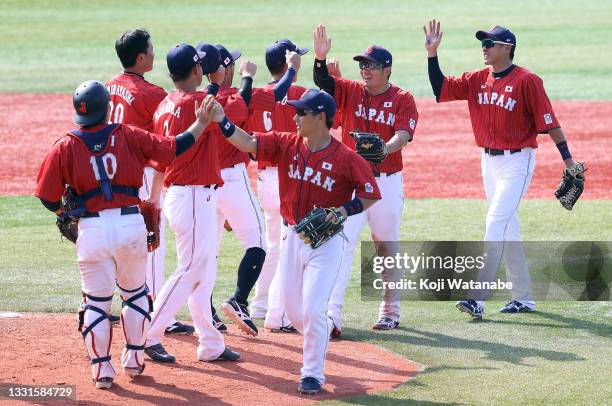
pixel 397 142
pixel 320 42
pixel 236 135
pixel 556 134
pixel 156 188
pixel 433 37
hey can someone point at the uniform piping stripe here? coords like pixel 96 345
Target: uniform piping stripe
pixel 257 215
pixel 193 217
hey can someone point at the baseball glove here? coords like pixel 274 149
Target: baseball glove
pixel 571 186
pixel 370 146
pixel 315 230
pixel 152 218
pixel 68 220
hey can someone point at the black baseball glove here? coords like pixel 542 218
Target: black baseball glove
pixel 315 230
pixel 68 220
pixel 370 146
pixel 571 186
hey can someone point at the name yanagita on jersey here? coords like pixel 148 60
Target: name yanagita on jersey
pixel 118 90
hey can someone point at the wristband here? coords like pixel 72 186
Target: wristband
pixel 212 88
pixel 353 207
pixel 564 150
pixel 227 127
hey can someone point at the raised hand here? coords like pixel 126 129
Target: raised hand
pixel 247 69
pixel 293 60
pixel 433 36
pixel 333 67
pixel 320 43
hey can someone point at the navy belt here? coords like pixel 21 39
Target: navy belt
pixel 124 212
pixel 377 173
pixel 495 152
pixel 205 186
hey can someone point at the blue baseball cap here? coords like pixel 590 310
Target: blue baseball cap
pixel 227 57
pixel 315 101
pixel 182 58
pixel 376 54
pixel 210 59
pixel 498 33
pixel 275 53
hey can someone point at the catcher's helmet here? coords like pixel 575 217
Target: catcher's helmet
pixel 90 102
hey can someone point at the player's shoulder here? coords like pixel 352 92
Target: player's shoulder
pixel 526 74
pixel 402 93
pixel 296 91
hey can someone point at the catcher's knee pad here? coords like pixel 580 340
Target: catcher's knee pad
pixel 97 333
pixel 136 312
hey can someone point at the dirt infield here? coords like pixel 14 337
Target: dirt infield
pixel 441 162
pixel 48 350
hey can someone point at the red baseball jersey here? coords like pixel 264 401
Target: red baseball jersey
pixel 506 113
pixel 325 178
pixel 134 100
pixel 383 114
pixel 199 165
pixel 261 99
pixel 277 118
pixel 126 153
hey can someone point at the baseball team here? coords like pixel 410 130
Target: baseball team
pixel 186 153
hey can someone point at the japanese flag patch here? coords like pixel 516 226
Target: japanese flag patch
pixel 412 124
pixel 547 118
pixel 326 166
pixel 388 104
pixel 369 188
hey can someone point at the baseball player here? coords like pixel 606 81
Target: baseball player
pixel 133 101
pixel 103 164
pixel 372 105
pixel 314 169
pixel 267 301
pixel 236 201
pixel 191 210
pixel 508 109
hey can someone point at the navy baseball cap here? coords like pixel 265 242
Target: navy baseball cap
pixel 275 53
pixel 315 101
pixel 182 58
pixel 497 33
pixel 227 57
pixel 210 59
pixel 376 54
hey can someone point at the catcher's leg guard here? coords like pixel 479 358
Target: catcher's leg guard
pixel 97 334
pixel 135 319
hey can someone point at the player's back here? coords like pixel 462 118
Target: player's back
pixel 133 100
pixel 281 117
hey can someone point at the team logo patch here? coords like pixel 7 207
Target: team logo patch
pixel 226 61
pixel 326 165
pixel 547 118
pixel 388 104
pixel 412 124
pixel 82 108
pixel 369 188
pixel 367 146
pixel 508 88
pixel 97 147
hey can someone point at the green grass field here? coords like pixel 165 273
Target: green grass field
pixel 558 355
pixel 52 46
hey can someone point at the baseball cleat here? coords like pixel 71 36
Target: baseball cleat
pixel 228 355
pixel 309 386
pixel 103 383
pixel 158 353
pixel 239 313
pixel 217 323
pixel 336 331
pixel 515 306
pixel 132 372
pixel 471 307
pixel 385 323
pixel 114 319
pixel 179 328
pixel 288 328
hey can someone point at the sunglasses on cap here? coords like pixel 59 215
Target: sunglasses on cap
pixel 369 65
pixel 302 113
pixel 489 43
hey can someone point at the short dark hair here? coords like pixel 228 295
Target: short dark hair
pixel 512 52
pixel 329 122
pixel 177 78
pixel 276 70
pixel 131 44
